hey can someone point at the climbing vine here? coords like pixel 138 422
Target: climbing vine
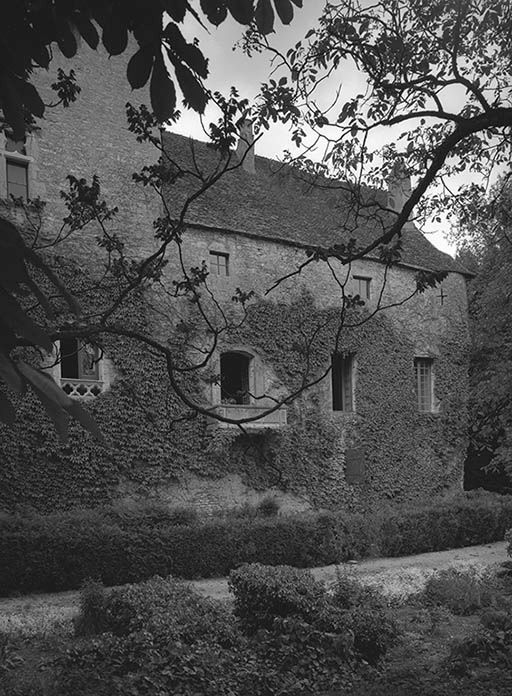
pixel 151 444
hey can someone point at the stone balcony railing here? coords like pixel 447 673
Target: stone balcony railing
pixel 81 388
pixel 276 419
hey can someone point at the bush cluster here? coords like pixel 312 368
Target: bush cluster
pixel 118 545
pixel 161 637
pixel 464 591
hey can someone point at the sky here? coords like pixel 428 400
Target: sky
pixel 229 66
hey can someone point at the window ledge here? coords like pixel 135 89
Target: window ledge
pixel 276 419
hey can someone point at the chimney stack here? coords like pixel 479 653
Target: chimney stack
pixel 245 146
pixel 399 186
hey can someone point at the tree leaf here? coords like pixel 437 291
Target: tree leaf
pixel 297 3
pixel 115 34
pixel 31 99
pixel 284 10
pixel 175 9
pixel 162 91
pixel 215 10
pixel 182 51
pixel 15 317
pixel 7 412
pixel 241 10
pixel 139 67
pixel 194 94
pixel 43 382
pixel 65 37
pixel 12 106
pixel 264 16
pixel 10 375
pixel 87 30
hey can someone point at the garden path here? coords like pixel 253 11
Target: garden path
pixel 38 613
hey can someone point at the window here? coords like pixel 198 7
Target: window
pixel 80 368
pixel 219 263
pixel 17 179
pixel 342 375
pixel 362 285
pixel 423 373
pixel 234 378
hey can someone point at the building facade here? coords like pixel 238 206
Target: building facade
pixel 354 404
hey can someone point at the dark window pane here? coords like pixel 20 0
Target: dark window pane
pixel 234 372
pixel 342 377
pixel 69 358
pixel 219 263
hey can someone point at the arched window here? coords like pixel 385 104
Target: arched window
pixel 235 378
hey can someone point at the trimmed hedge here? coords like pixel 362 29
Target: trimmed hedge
pixel 57 552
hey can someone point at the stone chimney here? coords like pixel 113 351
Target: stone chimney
pixel 399 186
pixel 245 146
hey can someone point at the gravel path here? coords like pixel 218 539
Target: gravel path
pixel 42 613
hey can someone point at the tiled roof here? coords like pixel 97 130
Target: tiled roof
pixel 274 204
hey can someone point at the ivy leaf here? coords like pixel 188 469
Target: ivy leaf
pixel 86 420
pixel 241 10
pixel 264 16
pixel 284 10
pixel 215 10
pixel 193 92
pixel 139 66
pixel 162 91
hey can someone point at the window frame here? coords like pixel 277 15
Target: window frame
pixel 80 387
pixel 214 268
pixel 20 164
pixel 343 372
pixel 248 378
pixel 24 159
pixel 424 383
pixel 367 280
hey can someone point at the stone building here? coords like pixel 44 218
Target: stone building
pixel 385 415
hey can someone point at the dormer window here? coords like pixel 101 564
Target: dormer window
pixel 219 263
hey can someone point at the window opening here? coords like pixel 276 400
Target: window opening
pixel 342 375
pixel 423 381
pixel 363 284
pixel 234 382
pixel 78 360
pixel 17 179
pixel 219 263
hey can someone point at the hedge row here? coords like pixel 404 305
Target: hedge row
pixel 59 551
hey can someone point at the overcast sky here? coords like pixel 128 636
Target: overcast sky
pixel 231 67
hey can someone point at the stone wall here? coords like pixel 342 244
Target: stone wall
pixel 152 451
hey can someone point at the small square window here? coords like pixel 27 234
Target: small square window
pixel 219 263
pixel 17 179
pixel 423 374
pixel 362 286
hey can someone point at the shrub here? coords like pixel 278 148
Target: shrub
pixel 262 593
pixel 347 593
pixel 131 543
pixel 91 618
pixel 463 592
pixel 268 507
pixel 491 644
